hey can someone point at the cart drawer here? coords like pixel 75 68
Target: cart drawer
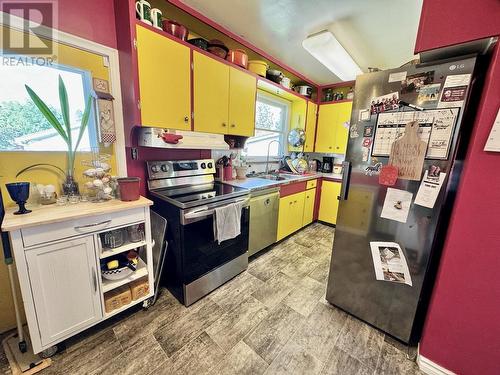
pixel 65 229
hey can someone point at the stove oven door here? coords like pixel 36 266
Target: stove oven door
pixel 201 253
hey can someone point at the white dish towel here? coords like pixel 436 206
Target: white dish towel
pixel 227 222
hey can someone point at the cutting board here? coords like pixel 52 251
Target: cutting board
pixel 408 153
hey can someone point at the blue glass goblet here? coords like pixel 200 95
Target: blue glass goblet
pixel 19 192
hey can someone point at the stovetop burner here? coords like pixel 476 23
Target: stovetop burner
pixel 195 195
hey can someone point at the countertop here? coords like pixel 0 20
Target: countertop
pixel 54 214
pixel 256 183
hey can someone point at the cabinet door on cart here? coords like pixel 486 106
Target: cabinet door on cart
pixel 65 288
pixel 164 81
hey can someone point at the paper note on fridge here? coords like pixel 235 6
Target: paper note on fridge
pixel 454 90
pixel 493 142
pixel 397 77
pixel 390 263
pixel 396 205
pixel 429 189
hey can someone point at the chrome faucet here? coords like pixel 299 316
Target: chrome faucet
pixel 268 148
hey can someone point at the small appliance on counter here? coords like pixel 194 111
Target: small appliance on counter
pixel 327 165
pixel 187 196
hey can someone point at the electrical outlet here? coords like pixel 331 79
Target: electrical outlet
pixel 134 153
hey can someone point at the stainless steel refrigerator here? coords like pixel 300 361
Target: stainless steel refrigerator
pixel 391 306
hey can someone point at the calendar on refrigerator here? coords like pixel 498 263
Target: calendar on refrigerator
pixel 436 128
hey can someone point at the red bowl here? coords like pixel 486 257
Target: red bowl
pixel 175 28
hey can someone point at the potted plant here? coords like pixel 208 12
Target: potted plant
pixel 70 186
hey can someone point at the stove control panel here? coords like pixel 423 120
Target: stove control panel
pixel 179 168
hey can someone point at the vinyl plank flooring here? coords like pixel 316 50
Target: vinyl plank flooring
pixel 270 336
pixel 86 357
pixel 241 360
pixel 305 296
pixel 319 333
pixel 341 363
pixel 230 294
pixel 175 335
pixel 145 322
pixel 294 359
pixel 267 265
pixel 361 341
pixel 320 273
pixel 142 358
pixel 393 361
pixel 274 290
pixel 232 326
pixel 300 268
pixel 197 357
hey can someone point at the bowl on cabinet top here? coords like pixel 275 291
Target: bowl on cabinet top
pixel 218 48
pixel 199 42
pixel 175 28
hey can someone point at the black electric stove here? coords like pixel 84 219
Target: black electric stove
pixel 185 193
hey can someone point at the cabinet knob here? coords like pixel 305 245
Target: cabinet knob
pixel 186 119
pixel 290 203
pixel 338 147
pixel 232 125
pixel 330 147
pixel 294 201
pixel 224 124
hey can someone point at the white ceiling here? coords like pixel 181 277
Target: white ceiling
pixel 376 33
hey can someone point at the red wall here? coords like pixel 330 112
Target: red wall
pixel 90 19
pixel 447 22
pixel 462 329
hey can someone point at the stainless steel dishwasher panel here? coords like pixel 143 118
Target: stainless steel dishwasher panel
pixel 263 221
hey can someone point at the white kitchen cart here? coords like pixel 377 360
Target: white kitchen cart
pixel 58 251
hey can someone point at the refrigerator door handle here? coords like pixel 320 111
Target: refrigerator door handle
pixel 346 179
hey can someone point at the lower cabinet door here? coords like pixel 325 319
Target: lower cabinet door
pixel 65 288
pixel 290 214
pixel 329 203
pixel 309 198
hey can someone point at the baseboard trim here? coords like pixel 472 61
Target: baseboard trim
pixel 430 368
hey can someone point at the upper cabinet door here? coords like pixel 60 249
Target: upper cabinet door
pixel 164 81
pixel 310 127
pixel 242 93
pixel 327 120
pixel 298 119
pixel 66 294
pixel 211 95
pixel 342 127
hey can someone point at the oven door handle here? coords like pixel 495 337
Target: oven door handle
pixel 205 211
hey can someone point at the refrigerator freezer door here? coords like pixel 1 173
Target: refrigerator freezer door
pixel 352 286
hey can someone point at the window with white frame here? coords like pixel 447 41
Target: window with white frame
pixel 22 126
pixel 271 125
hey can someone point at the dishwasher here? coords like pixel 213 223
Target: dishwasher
pixel 264 206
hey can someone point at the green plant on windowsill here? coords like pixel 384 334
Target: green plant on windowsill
pixel 70 186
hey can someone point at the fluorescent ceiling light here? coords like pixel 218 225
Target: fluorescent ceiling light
pixel 328 51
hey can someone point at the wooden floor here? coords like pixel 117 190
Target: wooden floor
pixel 271 319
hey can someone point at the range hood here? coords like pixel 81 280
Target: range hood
pixel 179 139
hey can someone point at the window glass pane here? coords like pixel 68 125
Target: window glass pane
pixel 270 125
pixel 22 126
pixel 258 144
pixel 268 116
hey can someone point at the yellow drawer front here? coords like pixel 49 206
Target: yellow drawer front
pixel 311 184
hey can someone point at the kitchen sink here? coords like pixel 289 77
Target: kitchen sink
pixel 272 177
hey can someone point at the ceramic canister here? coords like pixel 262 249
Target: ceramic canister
pixel 156 18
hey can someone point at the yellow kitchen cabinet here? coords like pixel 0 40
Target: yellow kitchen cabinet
pixel 332 133
pixel 242 93
pixel 310 126
pixel 211 94
pixel 309 197
pixel 329 203
pixel 164 81
pixel 290 215
pixel 298 114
